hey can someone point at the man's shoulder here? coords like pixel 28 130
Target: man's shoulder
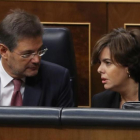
pixel 48 69
pixel 49 66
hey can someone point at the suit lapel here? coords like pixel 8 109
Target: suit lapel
pixel 32 91
pixel 32 95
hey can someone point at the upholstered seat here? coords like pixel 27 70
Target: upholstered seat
pixel 131 105
pixel 31 116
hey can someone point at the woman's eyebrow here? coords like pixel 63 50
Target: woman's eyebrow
pixel 105 59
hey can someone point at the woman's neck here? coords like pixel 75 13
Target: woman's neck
pixel 130 93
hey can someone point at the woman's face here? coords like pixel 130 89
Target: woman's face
pixel 113 76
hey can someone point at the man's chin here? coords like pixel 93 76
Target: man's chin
pixel 32 73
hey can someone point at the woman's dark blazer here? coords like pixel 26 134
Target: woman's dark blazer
pixel 107 99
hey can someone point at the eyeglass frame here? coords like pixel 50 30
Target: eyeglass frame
pixel 31 54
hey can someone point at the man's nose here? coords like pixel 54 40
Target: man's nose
pixel 36 58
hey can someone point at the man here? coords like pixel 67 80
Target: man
pixel 42 83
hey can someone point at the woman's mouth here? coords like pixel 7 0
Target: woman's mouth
pixel 104 81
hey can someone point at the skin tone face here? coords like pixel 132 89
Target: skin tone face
pixel 17 66
pixel 113 76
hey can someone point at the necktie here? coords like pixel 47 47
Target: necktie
pixel 16 97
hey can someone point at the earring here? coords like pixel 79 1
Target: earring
pixel 128 74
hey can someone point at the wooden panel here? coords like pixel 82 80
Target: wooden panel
pixel 94 13
pixel 121 13
pixel 131 26
pixel 92 133
pixel 126 1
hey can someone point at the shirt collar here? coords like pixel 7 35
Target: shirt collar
pixel 5 77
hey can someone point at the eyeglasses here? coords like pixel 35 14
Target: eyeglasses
pixel 31 55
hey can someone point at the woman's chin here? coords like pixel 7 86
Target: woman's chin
pixel 106 87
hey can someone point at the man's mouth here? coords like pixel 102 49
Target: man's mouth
pixel 34 68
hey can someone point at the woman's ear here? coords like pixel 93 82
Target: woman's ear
pixel 3 51
pixel 128 73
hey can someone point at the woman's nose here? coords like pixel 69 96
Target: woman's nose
pixel 100 69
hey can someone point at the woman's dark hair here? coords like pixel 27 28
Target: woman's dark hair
pixel 124 47
pixel 18 25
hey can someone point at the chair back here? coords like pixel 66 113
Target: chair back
pixel 61 51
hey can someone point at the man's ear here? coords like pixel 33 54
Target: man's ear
pixel 3 51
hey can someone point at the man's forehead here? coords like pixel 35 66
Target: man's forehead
pixel 30 43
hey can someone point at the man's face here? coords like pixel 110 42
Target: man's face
pixel 17 66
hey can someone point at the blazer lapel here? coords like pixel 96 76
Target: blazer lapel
pixel 116 101
pixel 32 91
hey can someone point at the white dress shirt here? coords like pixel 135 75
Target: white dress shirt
pixel 7 87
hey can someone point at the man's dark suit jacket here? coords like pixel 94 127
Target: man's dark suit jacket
pixel 107 99
pixel 50 87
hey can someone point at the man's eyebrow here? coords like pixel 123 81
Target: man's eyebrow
pixel 31 51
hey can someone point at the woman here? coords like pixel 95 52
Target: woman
pixel 118 54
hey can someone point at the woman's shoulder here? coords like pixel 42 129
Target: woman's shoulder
pixel 104 99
